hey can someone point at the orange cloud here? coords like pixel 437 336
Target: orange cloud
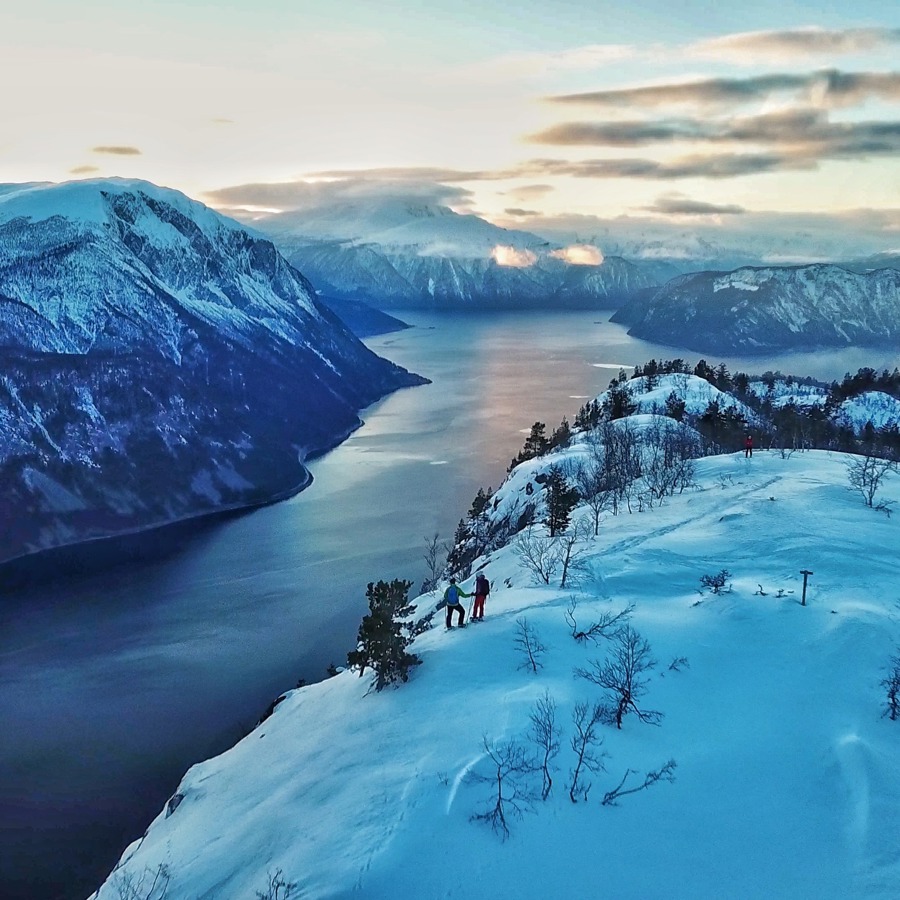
pixel 579 255
pixel 510 256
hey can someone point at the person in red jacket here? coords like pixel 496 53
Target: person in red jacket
pixel 482 589
pixel 748 446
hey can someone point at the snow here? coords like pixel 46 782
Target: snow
pixel 731 281
pixel 784 394
pixel 105 273
pixel 786 782
pixel 881 409
pixel 697 393
pixel 398 224
pixel 84 201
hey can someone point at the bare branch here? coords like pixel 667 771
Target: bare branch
pixel 512 796
pixel 665 773
pixel 585 743
pixel 149 885
pixel 538 553
pixel 529 644
pixel 607 626
pixel 619 676
pixel 545 733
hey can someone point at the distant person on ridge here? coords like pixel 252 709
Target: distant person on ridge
pixel 451 598
pixel 482 589
pixel 748 446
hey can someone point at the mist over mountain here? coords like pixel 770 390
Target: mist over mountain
pixel 160 361
pixel 409 252
pixel 727 240
pixel 770 309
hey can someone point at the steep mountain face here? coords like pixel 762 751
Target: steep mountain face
pixel 159 361
pixel 401 255
pixel 770 309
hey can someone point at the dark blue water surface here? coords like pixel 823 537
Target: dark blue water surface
pixel 123 662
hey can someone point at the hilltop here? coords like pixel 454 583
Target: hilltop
pixel 783 777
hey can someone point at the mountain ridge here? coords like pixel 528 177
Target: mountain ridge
pixel 761 309
pixel 160 361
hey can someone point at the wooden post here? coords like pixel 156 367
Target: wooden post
pixel 805 573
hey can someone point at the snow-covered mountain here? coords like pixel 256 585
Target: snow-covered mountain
pixel 770 309
pixel 723 243
pixel 395 253
pixel 775 761
pixel 159 361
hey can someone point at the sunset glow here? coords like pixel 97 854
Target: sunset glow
pixel 510 256
pixel 579 255
pixel 771 109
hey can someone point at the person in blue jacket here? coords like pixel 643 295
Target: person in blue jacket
pixel 451 598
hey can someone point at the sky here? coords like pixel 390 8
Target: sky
pixel 530 112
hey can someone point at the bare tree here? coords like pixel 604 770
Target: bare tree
pixel 538 553
pixel 510 768
pixel 607 625
pixel 620 676
pixel 666 772
pixel 571 556
pixel 278 888
pixel 866 473
pixel 891 684
pixel 715 582
pixel 530 646
pixel 545 733
pixel 435 557
pixel 585 742
pixel 591 479
pixel 149 885
pixel 668 459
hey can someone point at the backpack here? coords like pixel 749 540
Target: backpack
pixel 482 585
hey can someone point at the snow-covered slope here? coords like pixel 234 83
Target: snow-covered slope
pixel 159 361
pixel 875 407
pixel 770 309
pixel 696 394
pixel 786 782
pixel 400 253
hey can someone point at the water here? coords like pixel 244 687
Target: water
pixel 121 664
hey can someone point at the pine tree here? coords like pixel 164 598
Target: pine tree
pixel 618 403
pixel 562 435
pixel 381 642
pixel 561 500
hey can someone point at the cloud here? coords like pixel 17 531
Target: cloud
pixel 800 236
pixel 679 205
pixel 510 256
pixel 793 43
pixel 715 165
pixel 305 195
pixel 798 127
pixel 829 88
pixel 579 255
pixel 117 151
pixel 527 191
pixel 619 134
pixel 403 173
pixel 788 140
pixel 516 212
pixel 83 170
